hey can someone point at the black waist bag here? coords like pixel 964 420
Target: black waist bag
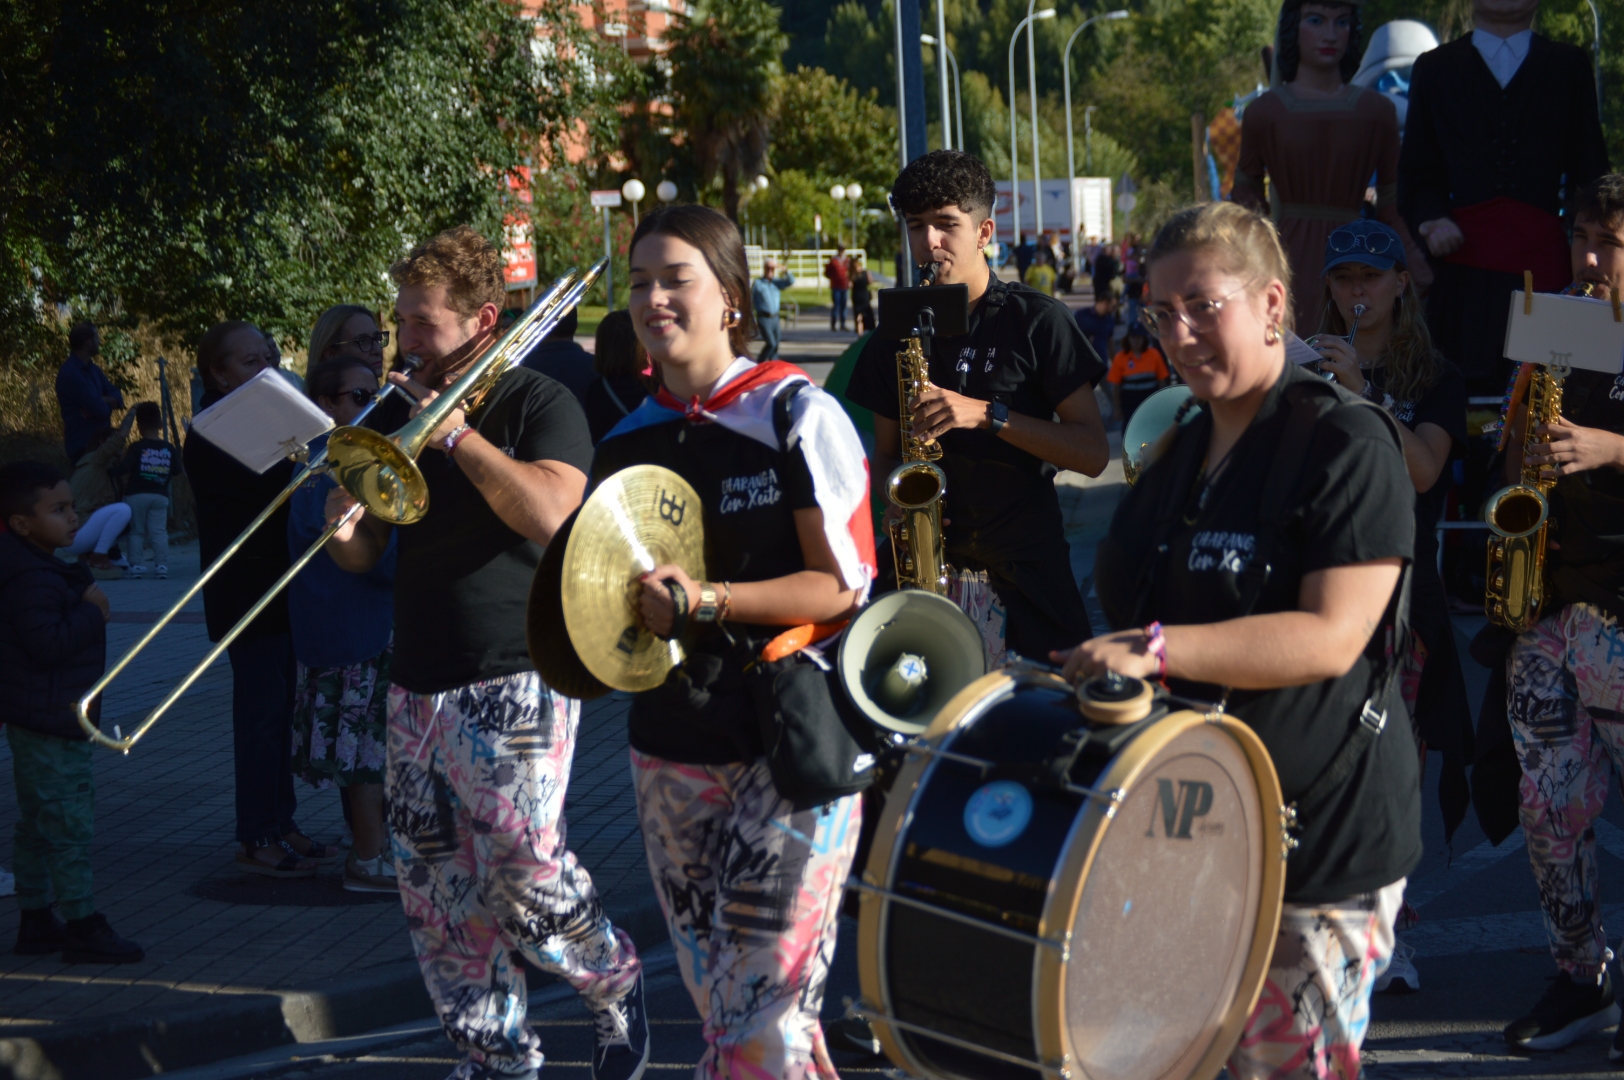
pixel 816 751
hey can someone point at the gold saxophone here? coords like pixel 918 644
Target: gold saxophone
pixel 1519 515
pixel 917 485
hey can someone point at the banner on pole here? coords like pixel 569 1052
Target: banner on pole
pixel 518 240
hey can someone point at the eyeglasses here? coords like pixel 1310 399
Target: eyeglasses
pixel 360 396
pixel 1201 316
pixel 1377 243
pixel 375 342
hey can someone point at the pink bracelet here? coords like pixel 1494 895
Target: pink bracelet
pixel 455 438
pixel 1156 645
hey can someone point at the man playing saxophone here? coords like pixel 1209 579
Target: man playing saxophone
pixel 1566 674
pixel 1012 401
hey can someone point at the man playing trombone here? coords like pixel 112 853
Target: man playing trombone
pixel 479 747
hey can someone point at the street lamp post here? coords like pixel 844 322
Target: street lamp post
pixel 941 75
pixel 1071 160
pixel 838 194
pixel 634 191
pixel 854 192
pixel 1014 155
pixel 958 96
pixel 1595 46
pixel 1088 139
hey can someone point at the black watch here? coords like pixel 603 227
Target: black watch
pixel 997 415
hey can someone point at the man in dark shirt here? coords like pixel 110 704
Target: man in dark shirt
pixel 559 357
pixel 83 392
pixel 997 392
pixel 479 747
pixel 1566 674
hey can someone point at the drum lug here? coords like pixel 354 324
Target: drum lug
pixel 1288 825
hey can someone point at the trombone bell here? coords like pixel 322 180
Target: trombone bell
pixel 378 474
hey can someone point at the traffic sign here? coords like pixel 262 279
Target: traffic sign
pixel 606 199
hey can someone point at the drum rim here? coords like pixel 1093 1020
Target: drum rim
pixel 966 705
pixel 1077 859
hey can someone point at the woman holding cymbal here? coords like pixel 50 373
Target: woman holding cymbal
pixel 749 874
pixel 1254 565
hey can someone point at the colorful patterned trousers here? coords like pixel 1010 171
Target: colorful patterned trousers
pixel 1312 1016
pixel 476 781
pixel 751 891
pixel 1566 704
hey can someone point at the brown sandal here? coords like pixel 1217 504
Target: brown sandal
pixel 292 864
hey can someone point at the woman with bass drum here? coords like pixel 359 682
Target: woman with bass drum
pixel 1257 563
pixel 748 867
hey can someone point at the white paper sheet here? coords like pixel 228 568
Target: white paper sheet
pixel 262 421
pixel 1572 330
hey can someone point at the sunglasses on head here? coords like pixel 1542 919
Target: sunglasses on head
pixel 1376 243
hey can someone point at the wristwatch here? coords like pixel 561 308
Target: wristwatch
pixel 997 415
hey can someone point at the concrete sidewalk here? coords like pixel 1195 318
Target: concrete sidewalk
pixel 237 962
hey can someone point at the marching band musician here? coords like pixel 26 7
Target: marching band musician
pixel 1254 562
pixel 997 389
pixel 749 875
pixel 1566 674
pixel 479 747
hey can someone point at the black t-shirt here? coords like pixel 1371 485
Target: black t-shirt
pixel 750 492
pixel 1443 404
pixel 147 466
pixel 463 577
pixel 1587 509
pixel 1024 350
pixel 1347 507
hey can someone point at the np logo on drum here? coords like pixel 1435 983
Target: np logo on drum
pixel 1178 807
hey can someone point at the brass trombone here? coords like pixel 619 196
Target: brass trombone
pixel 379 471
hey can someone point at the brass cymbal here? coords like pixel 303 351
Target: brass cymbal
pixel 639 518
pixel 551 650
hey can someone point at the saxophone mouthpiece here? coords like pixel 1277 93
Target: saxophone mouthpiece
pixel 928 272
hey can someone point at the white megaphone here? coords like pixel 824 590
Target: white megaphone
pixel 905 656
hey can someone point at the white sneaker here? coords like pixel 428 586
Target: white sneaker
pixel 1400 976
pixel 163 572
pixel 136 571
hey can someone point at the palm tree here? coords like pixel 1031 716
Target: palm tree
pixel 726 63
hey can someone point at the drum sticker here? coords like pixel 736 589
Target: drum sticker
pixel 998 813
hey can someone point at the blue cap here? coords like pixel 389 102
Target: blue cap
pixel 1364 241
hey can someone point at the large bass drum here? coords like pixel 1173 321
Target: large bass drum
pixel 1052 898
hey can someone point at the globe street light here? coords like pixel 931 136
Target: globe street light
pixel 958 97
pixel 634 191
pixel 1014 162
pixel 838 194
pixel 1071 160
pixel 666 190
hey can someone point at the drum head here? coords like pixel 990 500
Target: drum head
pixel 1175 906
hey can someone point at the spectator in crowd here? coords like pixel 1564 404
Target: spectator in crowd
pixel 1098 323
pixel 1106 268
pixel 621 378
pixel 146 469
pixel 1025 252
pixel 229 496
pixel 838 271
pixel 1133 282
pixel 342 625
pixel 1040 275
pixel 53 646
pixel 559 357
pixel 95 499
pixel 862 304
pixel 1137 372
pixel 348 330
pixel 83 392
pixel 766 296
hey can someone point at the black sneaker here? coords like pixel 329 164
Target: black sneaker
pixel 622 1029
pixel 41 931
pixel 854 1035
pixel 1568 1012
pixel 91 941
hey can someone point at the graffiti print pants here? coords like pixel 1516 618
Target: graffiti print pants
pixel 1314 1011
pixel 476 781
pixel 751 892
pixel 1565 699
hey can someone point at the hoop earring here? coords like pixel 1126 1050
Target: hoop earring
pixel 1272 337
pixel 733 319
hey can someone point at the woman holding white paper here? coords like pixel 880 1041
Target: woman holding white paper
pixel 229 496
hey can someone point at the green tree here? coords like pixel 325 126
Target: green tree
pixel 828 130
pixel 204 159
pixel 858 48
pixel 725 70
pixel 787 208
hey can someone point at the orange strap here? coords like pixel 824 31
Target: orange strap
pixel 796 638
pixel 1519 393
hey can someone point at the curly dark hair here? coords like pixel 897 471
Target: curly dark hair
pixel 1285 40
pixel 1602 201
pixel 945 178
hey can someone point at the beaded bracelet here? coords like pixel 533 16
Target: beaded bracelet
pixel 1156 645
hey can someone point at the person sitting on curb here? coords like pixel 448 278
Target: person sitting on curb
pixel 53 646
pixel 95 500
